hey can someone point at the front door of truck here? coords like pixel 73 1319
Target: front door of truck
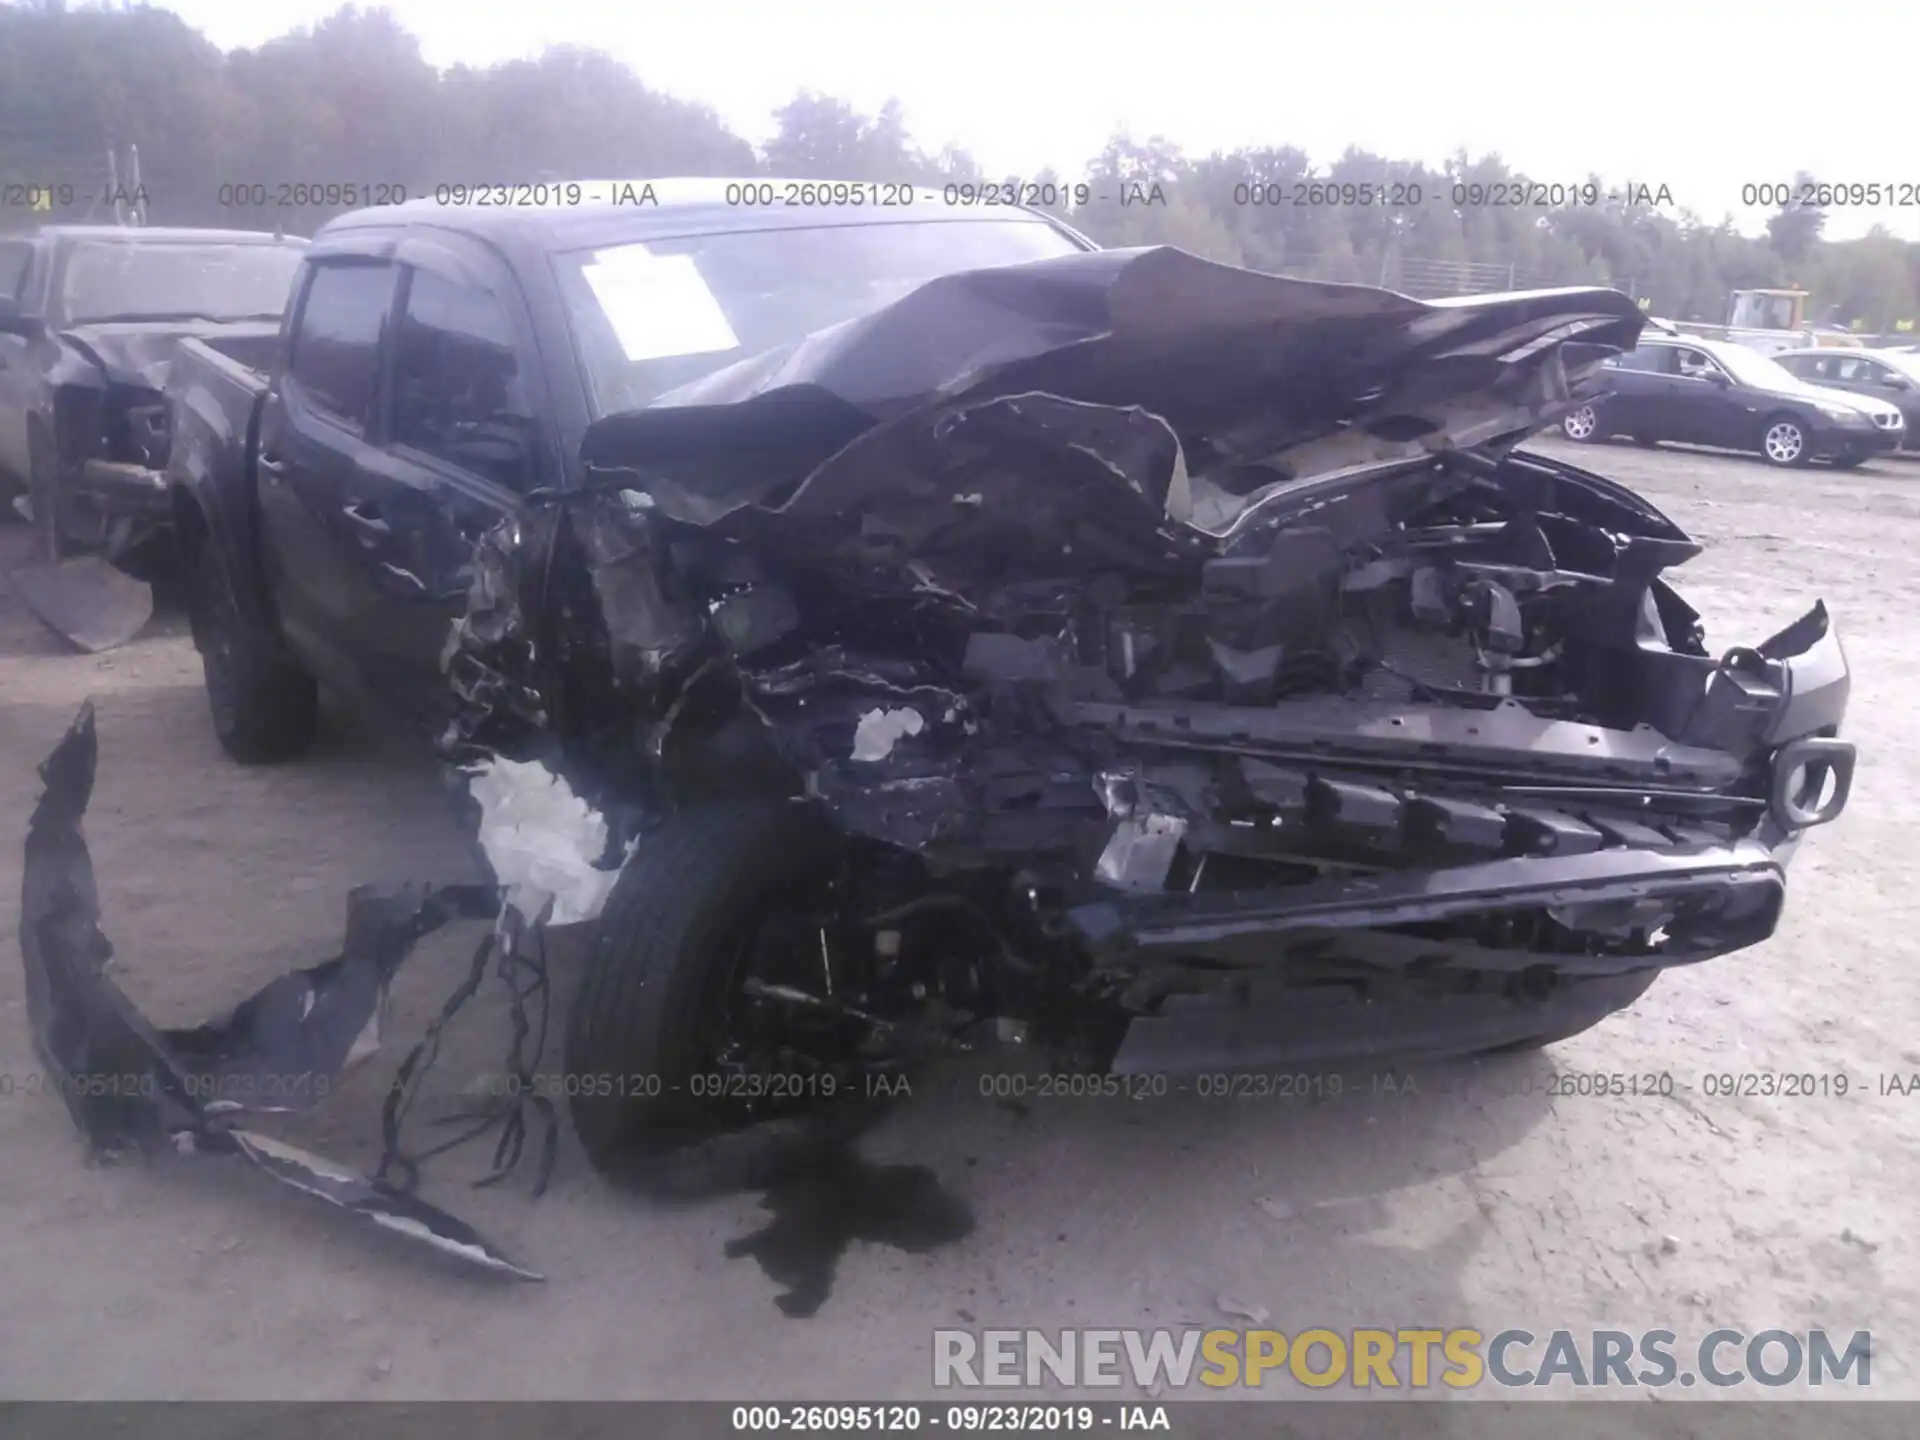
pixel 461 445
pixel 318 432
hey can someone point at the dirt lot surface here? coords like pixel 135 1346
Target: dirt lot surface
pixel 1481 1200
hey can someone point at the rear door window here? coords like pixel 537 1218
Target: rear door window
pixel 459 384
pixel 337 343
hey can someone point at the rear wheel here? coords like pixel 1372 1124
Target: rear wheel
pixel 1582 425
pixel 670 1039
pixel 265 707
pixel 1847 462
pixel 1783 442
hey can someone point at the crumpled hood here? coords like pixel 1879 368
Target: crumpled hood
pixel 1229 366
pixel 139 352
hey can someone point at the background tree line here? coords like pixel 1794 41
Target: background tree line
pixel 352 101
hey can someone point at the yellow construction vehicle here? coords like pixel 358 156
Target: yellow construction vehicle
pixel 1768 321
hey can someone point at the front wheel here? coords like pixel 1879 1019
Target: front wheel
pixel 1783 442
pixel 1582 425
pixel 671 1038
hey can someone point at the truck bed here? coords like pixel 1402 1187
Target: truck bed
pixel 214 390
pixel 242 360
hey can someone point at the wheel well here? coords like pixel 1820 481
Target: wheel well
pixel 1766 423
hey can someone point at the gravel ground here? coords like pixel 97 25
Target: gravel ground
pixel 1478 1201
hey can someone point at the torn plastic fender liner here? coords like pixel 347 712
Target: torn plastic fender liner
pixel 128 1085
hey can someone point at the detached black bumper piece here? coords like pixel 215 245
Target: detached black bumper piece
pixel 131 1087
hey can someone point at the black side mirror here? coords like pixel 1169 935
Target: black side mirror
pixel 1896 382
pixel 1719 378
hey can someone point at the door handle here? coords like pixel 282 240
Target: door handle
pixel 364 516
pixel 271 465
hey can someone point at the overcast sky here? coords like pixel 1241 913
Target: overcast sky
pixel 1703 96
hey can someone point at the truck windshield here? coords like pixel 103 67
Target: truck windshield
pixel 132 280
pixel 653 316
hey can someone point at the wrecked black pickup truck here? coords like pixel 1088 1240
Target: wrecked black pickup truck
pixel 962 636
pixel 89 318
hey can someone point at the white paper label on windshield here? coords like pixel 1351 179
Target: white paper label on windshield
pixel 658 305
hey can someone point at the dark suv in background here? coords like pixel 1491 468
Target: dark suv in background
pixel 1712 392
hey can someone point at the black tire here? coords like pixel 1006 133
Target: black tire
pixel 666 966
pixel 1778 456
pixel 265 706
pixel 1847 462
pixel 1644 443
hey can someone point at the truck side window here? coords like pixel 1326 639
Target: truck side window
pixel 458 391
pixel 336 349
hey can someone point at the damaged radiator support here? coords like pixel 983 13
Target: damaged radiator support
pixel 132 1088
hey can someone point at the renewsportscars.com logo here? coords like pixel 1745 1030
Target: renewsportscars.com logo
pixel 1412 1359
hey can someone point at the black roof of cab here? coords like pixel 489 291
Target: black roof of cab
pixel 630 210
